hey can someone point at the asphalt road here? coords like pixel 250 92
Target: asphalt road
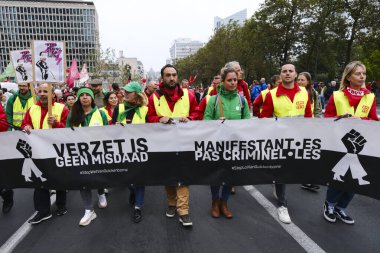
pixel 252 229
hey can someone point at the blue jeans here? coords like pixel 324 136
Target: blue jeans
pixel 139 195
pixel 338 198
pixel 322 99
pixel 226 191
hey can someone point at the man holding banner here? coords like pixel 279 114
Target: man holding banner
pixel 37 118
pixel 168 102
pixel 287 100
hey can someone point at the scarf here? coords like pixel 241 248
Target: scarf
pixel 128 107
pixel 171 95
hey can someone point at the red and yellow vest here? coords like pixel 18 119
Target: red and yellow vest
pixel 35 115
pixel 263 95
pixel 19 111
pixel 284 107
pixel 181 107
pixel 210 89
pixel 136 118
pixel 343 106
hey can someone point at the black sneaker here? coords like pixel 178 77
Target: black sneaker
pixel 61 211
pixel 7 206
pixel 310 187
pixel 328 213
pixel 343 216
pixel 131 197
pixel 185 220
pixel 40 217
pixel 137 215
pixel 170 212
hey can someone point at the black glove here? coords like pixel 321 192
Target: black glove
pixel 354 142
pixel 24 148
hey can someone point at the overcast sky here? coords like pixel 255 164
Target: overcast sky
pixel 146 29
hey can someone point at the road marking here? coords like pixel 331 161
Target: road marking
pixel 20 234
pixel 306 242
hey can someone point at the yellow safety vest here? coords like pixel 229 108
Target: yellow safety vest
pixel 19 111
pixel 136 118
pixel 181 107
pixel 96 119
pixel 106 112
pixel 211 88
pixel 263 95
pixel 35 114
pixel 283 107
pixel 343 106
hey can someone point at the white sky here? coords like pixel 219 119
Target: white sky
pixel 146 29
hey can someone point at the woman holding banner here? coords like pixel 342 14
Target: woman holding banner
pixel 86 114
pixel 133 111
pixel 304 80
pixel 352 101
pixel 227 104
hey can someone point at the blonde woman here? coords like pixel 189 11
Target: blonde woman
pixel 133 111
pixel 352 100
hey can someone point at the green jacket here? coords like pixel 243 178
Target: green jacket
pixel 88 118
pixel 231 105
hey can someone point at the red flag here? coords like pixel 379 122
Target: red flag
pixel 83 75
pixel 73 74
pixel 191 79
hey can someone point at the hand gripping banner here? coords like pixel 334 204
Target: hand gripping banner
pixel 343 154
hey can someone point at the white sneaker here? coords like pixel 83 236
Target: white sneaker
pixel 283 215
pixel 87 218
pixel 102 203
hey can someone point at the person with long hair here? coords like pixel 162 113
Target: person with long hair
pixel 353 101
pixel 133 111
pixel 304 80
pixel 111 101
pixel 86 114
pixel 227 104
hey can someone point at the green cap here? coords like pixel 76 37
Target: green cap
pixel 85 90
pixel 133 87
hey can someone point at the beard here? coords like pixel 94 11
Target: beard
pixel 170 85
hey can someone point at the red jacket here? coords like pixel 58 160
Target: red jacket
pixel 28 120
pixel 257 105
pixel 243 90
pixel 330 111
pixel 268 108
pixel 3 120
pixel 152 114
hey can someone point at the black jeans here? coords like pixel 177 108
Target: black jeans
pixel 42 200
pixel 6 194
pixel 280 192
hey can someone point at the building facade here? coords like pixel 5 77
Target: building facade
pixel 136 67
pixel 75 22
pixel 184 47
pixel 240 17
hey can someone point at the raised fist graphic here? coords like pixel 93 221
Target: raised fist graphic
pixel 354 142
pixel 24 148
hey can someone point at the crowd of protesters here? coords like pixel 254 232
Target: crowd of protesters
pixel 228 98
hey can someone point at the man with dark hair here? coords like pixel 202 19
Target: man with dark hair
pixel 168 102
pixel 37 118
pixel 287 100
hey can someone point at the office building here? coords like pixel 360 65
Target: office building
pixel 75 22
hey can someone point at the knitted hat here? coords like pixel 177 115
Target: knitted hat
pixel 85 90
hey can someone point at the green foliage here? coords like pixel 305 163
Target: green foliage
pixel 318 36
